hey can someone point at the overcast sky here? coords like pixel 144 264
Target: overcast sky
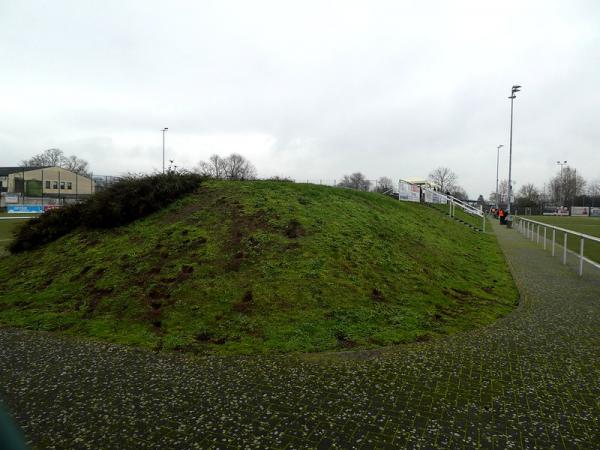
pixel 310 90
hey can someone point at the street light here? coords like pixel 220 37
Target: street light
pixel 497 166
pixel 516 88
pixel 163 132
pixel 561 164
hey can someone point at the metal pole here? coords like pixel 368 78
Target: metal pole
pixel 514 90
pixel 512 97
pixel 538 235
pixel 553 241
pixel 163 148
pixel 545 228
pixel 581 257
pixel 497 172
pixel 565 250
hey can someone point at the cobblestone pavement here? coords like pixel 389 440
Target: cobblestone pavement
pixel 532 380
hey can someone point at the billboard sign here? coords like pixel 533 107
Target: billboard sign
pixel 20 209
pixel 11 198
pixel 556 211
pixel 580 211
pixel 595 212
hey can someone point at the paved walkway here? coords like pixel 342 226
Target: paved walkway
pixel 532 380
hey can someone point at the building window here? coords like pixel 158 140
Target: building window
pixel 62 185
pixel 47 184
pixel 55 185
pixel 69 185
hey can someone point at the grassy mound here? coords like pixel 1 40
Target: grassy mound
pixel 247 267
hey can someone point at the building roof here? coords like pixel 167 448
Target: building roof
pixel 4 171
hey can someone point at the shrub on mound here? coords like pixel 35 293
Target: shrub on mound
pixel 123 202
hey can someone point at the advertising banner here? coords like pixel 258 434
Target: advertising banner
pixel 408 192
pixel 49 207
pixel 20 209
pixel 595 212
pixel 556 211
pixel 580 211
pixel 11 198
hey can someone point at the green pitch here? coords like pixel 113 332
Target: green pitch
pixel 586 225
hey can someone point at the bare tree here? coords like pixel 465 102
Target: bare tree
pixel 384 185
pixel 239 168
pixel 594 192
pixel 355 181
pixel 233 167
pixel 566 185
pixel 50 157
pixel 76 165
pixel 444 178
pixel 528 196
pixel 459 193
pixel 502 193
pixel 214 167
pixel 55 157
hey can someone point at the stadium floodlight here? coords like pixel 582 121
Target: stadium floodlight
pixel 163 132
pixel 514 90
pixel 497 166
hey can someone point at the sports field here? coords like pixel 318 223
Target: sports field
pixel 586 225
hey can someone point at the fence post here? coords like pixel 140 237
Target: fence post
pixel 581 257
pixel 538 235
pixel 545 228
pixel 565 250
pixel 553 241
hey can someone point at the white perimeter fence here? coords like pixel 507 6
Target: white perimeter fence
pixel 539 231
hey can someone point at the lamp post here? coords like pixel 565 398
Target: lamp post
pixel 513 91
pixel 163 161
pixel 561 164
pixel 497 166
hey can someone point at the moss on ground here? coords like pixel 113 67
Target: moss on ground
pixel 261 267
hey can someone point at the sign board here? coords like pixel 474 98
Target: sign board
pixel 556 211
pixel 49 207
pixel 11 198
pixel 20 209
pixel 595 212
pixel 580 211
pixel 408 192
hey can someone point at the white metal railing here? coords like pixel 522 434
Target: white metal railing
pixel 532 230
pixel 412 193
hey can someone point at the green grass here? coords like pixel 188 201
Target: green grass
pixel 585 225
pixel 261 267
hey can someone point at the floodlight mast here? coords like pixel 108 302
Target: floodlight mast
pixel 497 168
pixel 163 153
pixel 516 88
pixel 561 164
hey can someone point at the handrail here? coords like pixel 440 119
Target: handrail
pixel 564 230
pixel 527 227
